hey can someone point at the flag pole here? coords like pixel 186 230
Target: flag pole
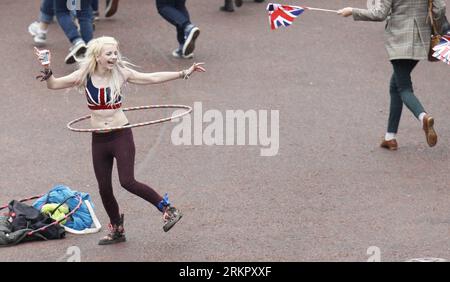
pixel 323 10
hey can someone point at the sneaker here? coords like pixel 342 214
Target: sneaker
pixel 39 37
pixel 177 54
pixel 171 216
pixel 116 235
pixel 75 52
pixel 111 7
pixel 34 28
pixel 190 36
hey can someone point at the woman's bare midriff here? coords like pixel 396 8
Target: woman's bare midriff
pixel 108 118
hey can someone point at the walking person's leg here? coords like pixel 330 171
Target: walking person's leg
pixel 395 112
pixel 227 6
pixel 39 28
pixel 124 152
pixel 395 108
pixel 181 7
pixel 73 35
pixel 175 12
pixel 167 10
pixel 402 73
pixel 95 12
pixel 47 12
pixel 85 19
pixel 191 32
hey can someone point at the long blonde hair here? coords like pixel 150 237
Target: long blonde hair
pixel 89 63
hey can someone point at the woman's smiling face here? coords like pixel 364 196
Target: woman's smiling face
pixel 108 56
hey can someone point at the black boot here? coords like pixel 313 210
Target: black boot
pixel 238 3
pixel 228 6
pixel 117 234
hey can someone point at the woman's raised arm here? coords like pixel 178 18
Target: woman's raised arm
pixel 160 77
pixel 71 80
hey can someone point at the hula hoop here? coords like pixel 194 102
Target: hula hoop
pixel 24 200
pixel 187 108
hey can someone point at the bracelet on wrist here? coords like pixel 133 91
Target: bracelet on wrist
pixel 184 74
pixel 45 74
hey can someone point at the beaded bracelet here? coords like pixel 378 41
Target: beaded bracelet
pixel 184 74
pixel 46 73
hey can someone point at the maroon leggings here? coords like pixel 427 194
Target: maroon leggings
pixel 117 144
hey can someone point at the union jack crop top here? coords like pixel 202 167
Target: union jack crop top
pixel 100 98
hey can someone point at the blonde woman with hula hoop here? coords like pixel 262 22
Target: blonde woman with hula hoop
pixel 100 76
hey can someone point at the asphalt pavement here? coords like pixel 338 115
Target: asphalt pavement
pixel 329 192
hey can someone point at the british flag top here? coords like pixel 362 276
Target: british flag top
pixel 101 98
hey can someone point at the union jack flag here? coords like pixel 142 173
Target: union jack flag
pixel 282 15
pixel 442 50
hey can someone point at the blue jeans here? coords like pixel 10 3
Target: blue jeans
pixel 84 16
pixel 47 11
pixel 94 5
pixel 175 12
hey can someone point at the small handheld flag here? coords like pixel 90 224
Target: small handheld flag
pixel 442 50
pixel 282 15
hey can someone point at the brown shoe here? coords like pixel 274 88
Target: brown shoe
pixel 390 145
pixel 430 134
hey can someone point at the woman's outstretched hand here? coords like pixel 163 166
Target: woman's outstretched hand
pixel 196 67
pixel 43 56
pixel 346 12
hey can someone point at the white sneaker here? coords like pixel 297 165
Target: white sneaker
pixel 33 28
pixel 39 37
pixel 75 52
pixel 177 54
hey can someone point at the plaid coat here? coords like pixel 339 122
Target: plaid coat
pixel 407 31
